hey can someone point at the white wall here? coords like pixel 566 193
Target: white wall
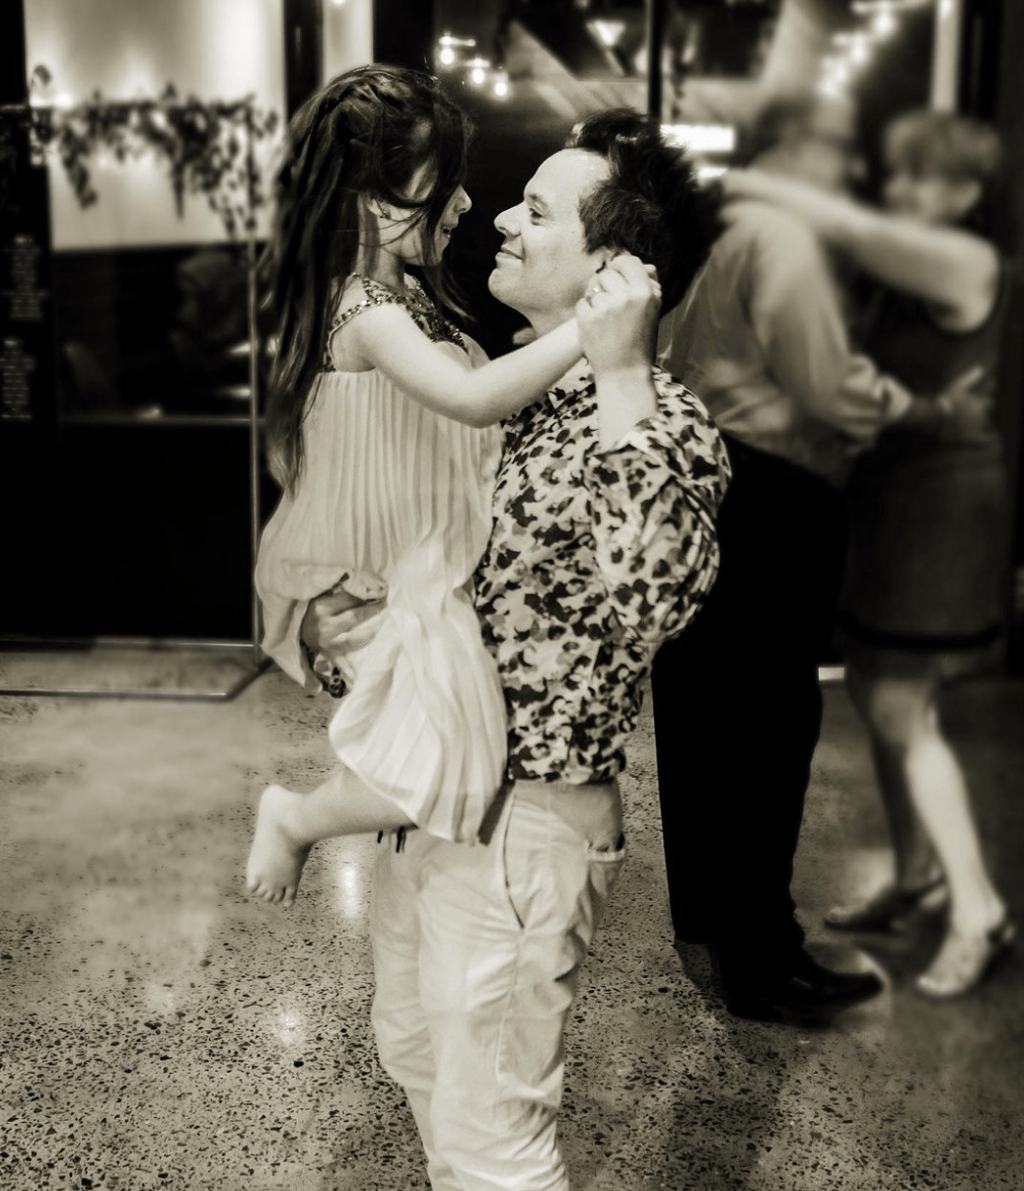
pixel 949 36
pixel 347 35
pixel 214 49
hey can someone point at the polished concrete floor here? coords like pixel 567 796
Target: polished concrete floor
pixel 157 1029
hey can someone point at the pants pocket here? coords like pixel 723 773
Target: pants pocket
pixel 603 868
pixel 561 885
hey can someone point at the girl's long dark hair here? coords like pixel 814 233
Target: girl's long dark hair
pixel 363 134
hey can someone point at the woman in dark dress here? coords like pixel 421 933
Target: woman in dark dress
pixel 929 515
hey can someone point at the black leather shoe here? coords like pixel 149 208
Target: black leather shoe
pixel 808 990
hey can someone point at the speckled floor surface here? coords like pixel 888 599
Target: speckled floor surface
pixel 159 1030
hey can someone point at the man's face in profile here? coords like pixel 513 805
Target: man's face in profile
pixel 543 267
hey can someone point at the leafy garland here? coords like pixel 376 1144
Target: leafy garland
pixel 209 147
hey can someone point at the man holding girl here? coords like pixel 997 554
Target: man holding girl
pixel 603 545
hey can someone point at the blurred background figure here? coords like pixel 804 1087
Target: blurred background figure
pixel 210 335
pixel 761 337
pixel 929 515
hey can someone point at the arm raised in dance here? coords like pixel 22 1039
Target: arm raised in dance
pixel 387 337
pixel 949 268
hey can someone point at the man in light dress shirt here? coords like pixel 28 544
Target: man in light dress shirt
pixel 603 546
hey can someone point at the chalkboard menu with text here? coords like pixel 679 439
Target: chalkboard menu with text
pixel 27 373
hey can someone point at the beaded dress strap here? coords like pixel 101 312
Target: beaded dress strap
pixel 425 314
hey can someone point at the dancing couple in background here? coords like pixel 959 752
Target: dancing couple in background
pixel 898 440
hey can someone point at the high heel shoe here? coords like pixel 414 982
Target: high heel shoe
pixel 884 908
pixel 964 961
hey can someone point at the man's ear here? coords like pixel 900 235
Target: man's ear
pixel 604 256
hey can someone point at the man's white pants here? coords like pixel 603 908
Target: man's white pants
pixel 477 951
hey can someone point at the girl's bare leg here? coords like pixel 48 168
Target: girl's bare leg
pixel 288 824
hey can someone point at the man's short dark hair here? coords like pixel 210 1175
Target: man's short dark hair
pixel 652 204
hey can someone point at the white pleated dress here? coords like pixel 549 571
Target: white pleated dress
pixel 396 498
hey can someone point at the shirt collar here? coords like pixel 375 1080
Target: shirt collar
pixel 567 388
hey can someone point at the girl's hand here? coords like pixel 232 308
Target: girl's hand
pixel 618 316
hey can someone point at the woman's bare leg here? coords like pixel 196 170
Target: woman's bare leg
pixel 288 824
pixel 915 864
pixel 904 721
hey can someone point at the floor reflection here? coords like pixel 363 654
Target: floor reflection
pixel 158 1029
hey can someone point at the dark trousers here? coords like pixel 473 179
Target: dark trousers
pixel 737 710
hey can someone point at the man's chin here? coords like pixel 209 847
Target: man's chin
pixel 498 289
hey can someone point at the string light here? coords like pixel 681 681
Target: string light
pixel 883 24
pixel 608 33
pixel 448 48
pixel 860 51
pixel 478 70
pixel 853 49
pixel 836 73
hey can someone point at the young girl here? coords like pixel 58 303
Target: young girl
pixel 382 432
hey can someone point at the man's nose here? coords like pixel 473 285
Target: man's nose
pixel 505 222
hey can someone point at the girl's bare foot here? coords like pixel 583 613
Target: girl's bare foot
pixel 275 859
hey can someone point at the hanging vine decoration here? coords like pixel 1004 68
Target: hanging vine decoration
pixel 209 147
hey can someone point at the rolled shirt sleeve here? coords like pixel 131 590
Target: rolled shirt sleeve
pixel 797 318
pixel 654 496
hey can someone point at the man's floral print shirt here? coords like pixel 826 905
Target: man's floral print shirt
pixel 596 557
